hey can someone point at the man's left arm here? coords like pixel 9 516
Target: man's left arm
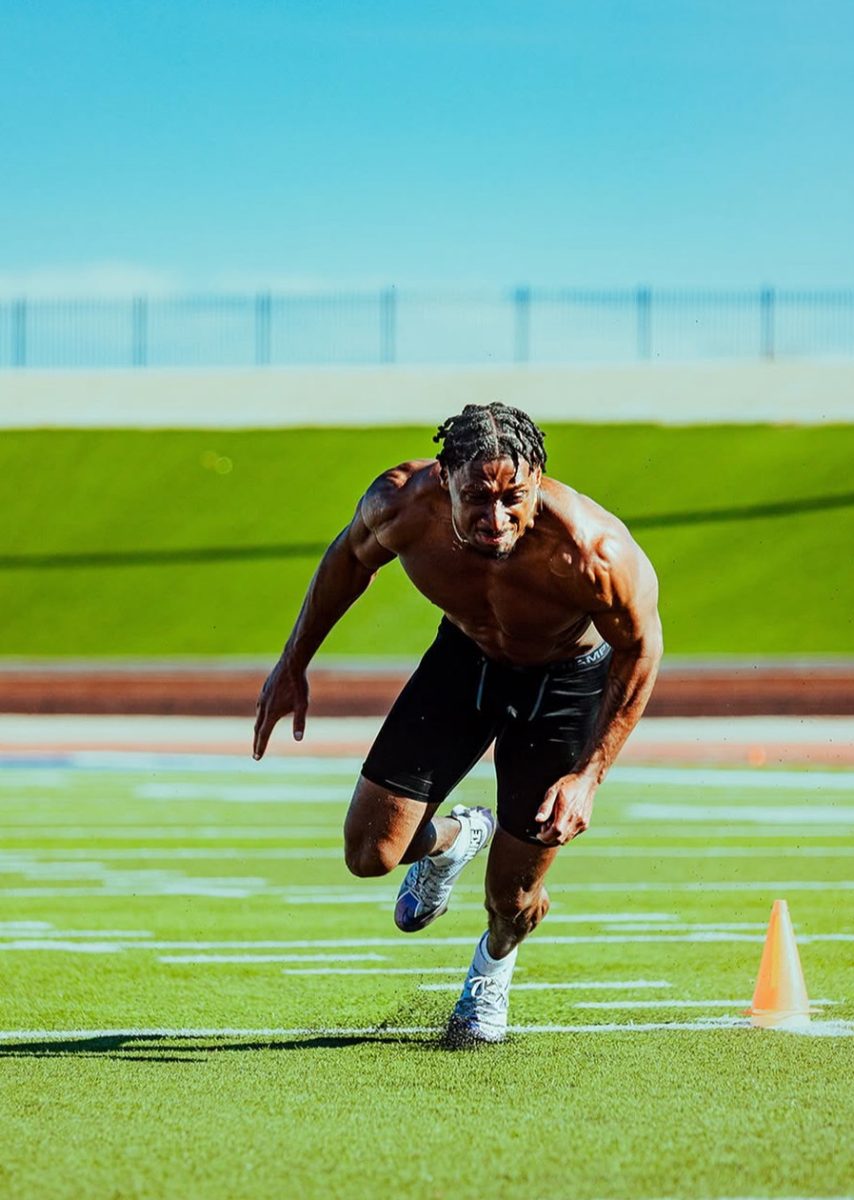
pixel 630 623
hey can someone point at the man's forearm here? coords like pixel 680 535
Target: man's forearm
pixel 628 687
pixel 338 581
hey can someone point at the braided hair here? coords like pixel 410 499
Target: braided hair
pixel 482 432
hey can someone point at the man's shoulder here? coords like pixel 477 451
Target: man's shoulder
pixel 399 489
pixel 593 543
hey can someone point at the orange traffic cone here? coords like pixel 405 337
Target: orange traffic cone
pixel 780 1000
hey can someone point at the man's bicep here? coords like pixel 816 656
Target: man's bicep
pixel 631 618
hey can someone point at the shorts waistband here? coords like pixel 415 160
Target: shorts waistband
pixel 588 659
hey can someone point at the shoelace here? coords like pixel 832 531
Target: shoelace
pixel 488 988
pixel 433 882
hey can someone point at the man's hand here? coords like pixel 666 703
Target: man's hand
pixel 566 810
pixel 285 691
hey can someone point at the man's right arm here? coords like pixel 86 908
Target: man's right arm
pixel 344 573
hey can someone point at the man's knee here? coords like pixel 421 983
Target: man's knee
pixel 366 859
pixel 523 910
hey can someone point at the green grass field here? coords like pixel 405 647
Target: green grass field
pixel 205 906
pixel 202 542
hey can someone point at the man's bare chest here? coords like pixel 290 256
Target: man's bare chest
pixel 519 595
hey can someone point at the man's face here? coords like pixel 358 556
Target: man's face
pixel 492 503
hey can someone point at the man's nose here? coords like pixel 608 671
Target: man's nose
pixel 495 517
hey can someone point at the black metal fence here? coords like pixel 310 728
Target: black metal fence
pixel 560 325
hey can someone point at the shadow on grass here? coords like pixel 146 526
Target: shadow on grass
pixel 218 554
pixel 149 1047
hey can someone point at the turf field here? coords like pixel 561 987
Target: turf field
pixel 198 1001
pixel 202 541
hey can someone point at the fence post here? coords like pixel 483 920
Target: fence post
pixel 643 300
pixel 766 323
pixel 522 324
pixel 139 332
pixel 19 333
pixel 263 328
pixel 388 325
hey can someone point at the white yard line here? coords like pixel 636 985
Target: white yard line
pixel 213 950
pixel 787 816
pixel 460 971
pixel 588 849
pixel 816 1029
pixel 349 767
pixel 239 890
pixel 269 958
pixel 256 793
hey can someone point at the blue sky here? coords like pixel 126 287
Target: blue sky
pixel 297 144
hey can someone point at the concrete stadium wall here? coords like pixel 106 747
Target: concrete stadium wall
pixel 271 397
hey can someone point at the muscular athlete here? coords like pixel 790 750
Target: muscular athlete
pixel 548 647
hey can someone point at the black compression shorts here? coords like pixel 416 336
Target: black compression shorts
pixel 459 701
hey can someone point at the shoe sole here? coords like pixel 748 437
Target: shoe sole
pixel 414 926
pixel 460 1036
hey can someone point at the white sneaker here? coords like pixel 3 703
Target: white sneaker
pixel 427 885
pixel 480 1014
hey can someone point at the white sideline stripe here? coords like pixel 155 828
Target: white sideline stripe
pixel 240 891
pixel 609 1004
pixel 268 958
pixel 581 986
pixel 803 885
pixel 725 777
pixel 371 970
pixel 260 833
pixel 188 852
pixel 817 1028
pixel 145 833
pixel 578 985
pixel 589 850
pixel 791 815
pixel 259 793
pixel 716 852
pixel 709 937
pixel 349 767
pixel 672 1003
pixel 415 943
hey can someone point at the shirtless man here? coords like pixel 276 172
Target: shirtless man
pixel 549 646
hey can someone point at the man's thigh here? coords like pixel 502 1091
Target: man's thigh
pixel 381 825
pixel 530 756
pixel 435 731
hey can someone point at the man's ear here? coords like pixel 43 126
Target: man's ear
pixel 443 477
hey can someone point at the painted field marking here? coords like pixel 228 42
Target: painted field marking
pixel 188 853
pixel 792 815
pixel 577 985
pixel 269 958
pixel 58 945
pixel 259 793
pixel 460 971
pixel 627 1004
pixel 724 777
pixel 719 851
pixel 349 767
pixel 414 944
pixel 239 888
pixel 704 1024
pixel 152 833
pixel 609 1004
pixel 588 850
